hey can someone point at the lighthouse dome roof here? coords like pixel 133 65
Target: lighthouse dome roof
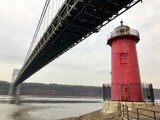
pixel 122 29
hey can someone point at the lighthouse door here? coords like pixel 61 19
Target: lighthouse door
pixel 125 92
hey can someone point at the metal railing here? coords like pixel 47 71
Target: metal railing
pixel 146 88
pixel 130 113
pixel 120 33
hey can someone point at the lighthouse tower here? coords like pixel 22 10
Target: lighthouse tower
pixel 125 76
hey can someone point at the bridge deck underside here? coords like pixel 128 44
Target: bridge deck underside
pixel 76 20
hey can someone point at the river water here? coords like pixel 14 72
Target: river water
pixel 46 108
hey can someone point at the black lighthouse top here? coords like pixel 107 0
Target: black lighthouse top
pixel 121 31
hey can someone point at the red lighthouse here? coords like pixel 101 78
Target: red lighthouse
pixel 125 76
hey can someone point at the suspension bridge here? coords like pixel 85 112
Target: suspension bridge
pixel 65 23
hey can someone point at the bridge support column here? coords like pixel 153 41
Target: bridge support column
pixel 14 91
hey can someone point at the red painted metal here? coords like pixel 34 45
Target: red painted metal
pixel 125 76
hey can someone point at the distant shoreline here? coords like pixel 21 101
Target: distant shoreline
pixel 39 89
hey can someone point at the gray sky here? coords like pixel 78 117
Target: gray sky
pixel 89 62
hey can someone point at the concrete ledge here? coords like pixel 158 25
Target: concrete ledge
pixel 113 106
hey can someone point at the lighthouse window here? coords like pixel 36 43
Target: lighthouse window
pixel 123 57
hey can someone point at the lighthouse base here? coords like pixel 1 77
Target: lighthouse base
pixel 115 106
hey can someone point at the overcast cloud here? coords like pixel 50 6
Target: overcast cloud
pixel 88 63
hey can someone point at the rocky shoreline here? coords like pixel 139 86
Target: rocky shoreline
pixel 96 115
pixel 101 115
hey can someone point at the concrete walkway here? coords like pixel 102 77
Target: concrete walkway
pixel 148 111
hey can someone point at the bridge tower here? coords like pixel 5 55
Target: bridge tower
pixel 125 76
pixel 14 90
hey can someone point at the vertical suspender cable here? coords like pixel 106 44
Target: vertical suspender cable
pixel 48 10
pixel 37 30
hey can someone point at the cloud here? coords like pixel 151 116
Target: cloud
pixel 88 63
pixel 18 23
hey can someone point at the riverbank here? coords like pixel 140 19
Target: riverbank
pixel 144 113
pixel 96 115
